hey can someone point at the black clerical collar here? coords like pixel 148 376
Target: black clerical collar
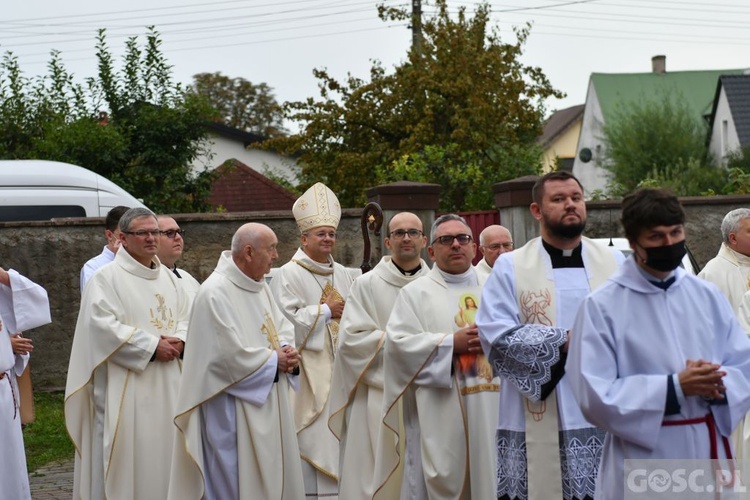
pixel 174 270
pixel 403 271
pixel 564 258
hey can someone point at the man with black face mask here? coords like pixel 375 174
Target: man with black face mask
pixel 657 357
pixel 527 306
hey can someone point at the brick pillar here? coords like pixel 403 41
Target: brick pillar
pixel 512 199
pixel 420 198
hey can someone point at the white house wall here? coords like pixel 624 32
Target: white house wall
pixel 224 149
pixel 590 174
pixel 720 146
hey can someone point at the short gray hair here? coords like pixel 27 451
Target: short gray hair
pixel 731 222
pixel 134 213
pixel 446 218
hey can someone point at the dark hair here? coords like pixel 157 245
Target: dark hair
pixel 537 192
pixel 113 217
pixel 647 208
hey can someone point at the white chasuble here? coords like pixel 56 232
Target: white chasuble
pixel 449 402
pixel 23 306
pixel 299 287
pixel 730 271
pixel 235 423
pixel 357 386
pixel 483 270
pixel 119 403
pixel 527 308
pixel 629 338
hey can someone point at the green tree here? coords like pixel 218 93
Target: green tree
pixel 464 103
pixel 134 126
pixel 658 140
pixel 241 104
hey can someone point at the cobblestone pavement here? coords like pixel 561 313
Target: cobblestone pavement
pixel 53 482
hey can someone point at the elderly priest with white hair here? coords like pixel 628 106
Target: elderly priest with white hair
pixel 233 411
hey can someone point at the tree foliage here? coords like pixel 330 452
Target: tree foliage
pixel 134 126
pixel 658 141
pixel 462 111
pixel 241 104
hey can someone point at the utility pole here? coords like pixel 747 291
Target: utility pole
pixel 416 25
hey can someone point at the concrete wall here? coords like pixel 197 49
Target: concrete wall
pixel 702 227
pixel 52 253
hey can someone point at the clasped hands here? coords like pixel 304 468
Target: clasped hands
pixel 466 340
pixel 169 348
pixel 702 378
pixel 288 359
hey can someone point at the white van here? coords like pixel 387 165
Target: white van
pixel 43 190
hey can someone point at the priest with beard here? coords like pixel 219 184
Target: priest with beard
pixel 546 448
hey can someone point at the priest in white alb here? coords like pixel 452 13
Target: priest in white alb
pixel 730 272
pixel 311 290
pixel 656 356
pixel 171 246
pixel 494 241
pixel 233 412
pixel 23 305
pixel 546 448
pixel 124 370
pixel 730 269
pixel 434 366
pixel 357 386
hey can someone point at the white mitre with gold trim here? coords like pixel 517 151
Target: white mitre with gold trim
pixel 319 206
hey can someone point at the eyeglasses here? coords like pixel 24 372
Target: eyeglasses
pixel 447 239
pixel 171 233
pixel 143 234
pixel 399 234
pixel 497 246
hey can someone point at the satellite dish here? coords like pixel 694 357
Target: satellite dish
pixel 585 155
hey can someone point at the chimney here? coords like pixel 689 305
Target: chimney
pixel 659 64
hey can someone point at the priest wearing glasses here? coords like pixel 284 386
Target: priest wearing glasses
pixel 435 370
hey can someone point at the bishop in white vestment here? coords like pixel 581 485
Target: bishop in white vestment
pixel 23 305
pixel 434 366
pixel 656 357
pixel 546 448
pixel 357 386
pixel 124 370
pixel 311 290
pixel 233 411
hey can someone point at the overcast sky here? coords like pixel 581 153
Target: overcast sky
pixel 280 41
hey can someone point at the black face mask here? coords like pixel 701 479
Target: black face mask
pixel 665 258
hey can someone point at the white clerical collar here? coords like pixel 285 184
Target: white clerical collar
pixel 467 278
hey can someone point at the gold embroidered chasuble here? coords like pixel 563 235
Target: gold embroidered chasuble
pixel 234 330
pixel 456 422
pixel 118 403
pixel 299 287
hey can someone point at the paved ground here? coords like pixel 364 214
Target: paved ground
pixel 53 482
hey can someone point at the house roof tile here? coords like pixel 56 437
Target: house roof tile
pixel 558 123
pixel 697 88
pixel 737 89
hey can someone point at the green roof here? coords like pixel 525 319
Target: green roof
pixel 697 87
